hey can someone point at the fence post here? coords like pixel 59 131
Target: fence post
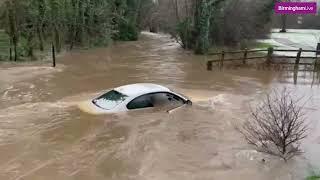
pixel 296 66
pixel 15 53
pixel 221 58
pixel 298 56
pixel 10 53
pixel 245 56
pixel 318 49
pixel 316 63
pixel 209 65
pixel 295 76
pixel 269 56
pixel 53 56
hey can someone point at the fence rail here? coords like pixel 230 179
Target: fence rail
pixel 269 57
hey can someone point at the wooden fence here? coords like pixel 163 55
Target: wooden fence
pixel 270 57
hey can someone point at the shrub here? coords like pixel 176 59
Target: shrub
pixel 277 125
pixel 128 31
pixel 184 30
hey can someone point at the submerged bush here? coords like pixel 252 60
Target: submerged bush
pixel 127 31
pixel 277 125
pixel 185 33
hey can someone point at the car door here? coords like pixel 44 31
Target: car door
pixel 141 102
pixel 161 101
pixel 165 101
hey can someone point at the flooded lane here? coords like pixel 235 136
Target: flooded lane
pixel 43 135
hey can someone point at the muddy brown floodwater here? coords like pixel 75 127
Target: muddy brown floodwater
pixel 44 136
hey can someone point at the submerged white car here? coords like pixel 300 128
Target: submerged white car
pixel 134 97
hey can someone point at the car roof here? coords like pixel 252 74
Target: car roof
pixel 141 88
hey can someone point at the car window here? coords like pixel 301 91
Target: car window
pixel 110 99
pixel 155 100
pixel 166 99
pixel 140 102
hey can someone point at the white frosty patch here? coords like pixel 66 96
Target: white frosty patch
pixel 294 39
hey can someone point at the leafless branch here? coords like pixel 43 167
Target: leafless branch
pixel 277 125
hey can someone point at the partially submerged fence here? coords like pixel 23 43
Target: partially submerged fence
pixel 7 51
pixel 269 56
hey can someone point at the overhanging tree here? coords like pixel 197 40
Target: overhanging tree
pixel 202 24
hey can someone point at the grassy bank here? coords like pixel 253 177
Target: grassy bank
pixel 248 45
pixel 313 177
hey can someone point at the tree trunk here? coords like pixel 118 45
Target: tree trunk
pixel 41 46
pixel 283 23
pixel 12 21
pixel 202 25
pixel 30 45
pixel 57 40
pixel 15 51
pixel 41 14
pixel 55 25
pixel 74 27
pixel 81 25
pixel 10 53
pixel 53 56
pixel 90 12
pixel 10 50
pixel 176 10
pixel 187 8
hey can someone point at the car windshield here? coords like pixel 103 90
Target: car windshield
pixel 109 100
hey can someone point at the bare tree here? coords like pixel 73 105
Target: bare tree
pixel 284 18
pixel 277 125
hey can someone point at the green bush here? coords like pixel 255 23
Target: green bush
pixel 22 48
pixel 102 40
pixel 128 31
pixel 184 29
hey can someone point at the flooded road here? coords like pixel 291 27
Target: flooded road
pixel 43 135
